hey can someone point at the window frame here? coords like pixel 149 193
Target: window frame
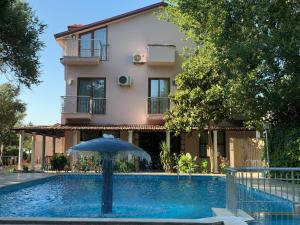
pixel 149 92
pixel 92 32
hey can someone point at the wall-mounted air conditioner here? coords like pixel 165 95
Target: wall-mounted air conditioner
pixel 138 58
pixel 124 80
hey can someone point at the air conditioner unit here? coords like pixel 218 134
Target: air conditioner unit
pixel 138 58
pixel 124 80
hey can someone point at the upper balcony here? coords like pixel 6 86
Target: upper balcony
pixel 83 51
pixel 82 107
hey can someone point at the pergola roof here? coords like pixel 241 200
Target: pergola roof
pixel 58 130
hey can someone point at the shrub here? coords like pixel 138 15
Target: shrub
pixel 224 163
pixel 187 164
pixel 124 166
pixel 58 162
pixel 204 166
pixel 165 157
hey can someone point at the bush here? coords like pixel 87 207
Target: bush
pixel 165 157
pixel 124 166
pixel 204 166
pixel 58 162
pixel 187 164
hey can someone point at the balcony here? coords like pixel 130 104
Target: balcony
pixel 83 52
pixel 161 55
pixel 156 107
pixel 82 107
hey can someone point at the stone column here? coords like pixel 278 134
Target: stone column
pixel 74 138
pixel 43 152
pixel 231 152
pixel 21 141
pixel 215 154
pixel 32 160
pixel 130 136
pixel 53 145
pixel 168 140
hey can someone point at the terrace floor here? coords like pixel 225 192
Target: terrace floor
pixel 16 178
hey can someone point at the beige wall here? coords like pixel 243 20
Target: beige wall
pixel 127 105
pixel 59 147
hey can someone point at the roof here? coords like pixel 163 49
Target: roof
pixel 109 20
pixel 58 129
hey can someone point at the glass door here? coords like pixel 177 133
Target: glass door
pixel 158 101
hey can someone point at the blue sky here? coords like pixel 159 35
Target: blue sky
pixel 43 101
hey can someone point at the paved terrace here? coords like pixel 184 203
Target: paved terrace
pixel 7 179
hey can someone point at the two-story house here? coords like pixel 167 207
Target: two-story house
pixel 119 73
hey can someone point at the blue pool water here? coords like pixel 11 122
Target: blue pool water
pixel 134 197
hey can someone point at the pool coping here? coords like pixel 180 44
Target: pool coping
pixel 122 221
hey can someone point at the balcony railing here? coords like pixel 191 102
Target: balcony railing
pixel 158 105
pixel 83 104
pixel 84 48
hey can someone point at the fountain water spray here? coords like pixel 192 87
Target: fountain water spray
pixel 109 146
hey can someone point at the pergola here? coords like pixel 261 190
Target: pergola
pixel 58 131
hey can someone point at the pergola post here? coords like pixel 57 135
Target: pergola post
pixel 215 149
pixel 43 152
pixel 168 140
pixel 74 138
pixel 53 145
pixel 20 158
pixel 130 136
pixel 32 159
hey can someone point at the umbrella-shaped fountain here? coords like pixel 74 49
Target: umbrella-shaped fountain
pixel 109 146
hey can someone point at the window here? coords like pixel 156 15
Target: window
pixel 158 101
pixel 91 96
pixel 204 143
pixel 94 44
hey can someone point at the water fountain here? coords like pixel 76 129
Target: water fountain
pixel 109 146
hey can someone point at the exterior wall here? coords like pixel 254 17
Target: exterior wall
pixel 127 105
pixel 59 147
pixel 191 143
pixel 229 140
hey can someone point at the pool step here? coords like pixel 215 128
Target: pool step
pixel 222 212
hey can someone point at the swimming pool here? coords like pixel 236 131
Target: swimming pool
pixel 135 196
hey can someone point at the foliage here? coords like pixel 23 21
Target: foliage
pixel 284 145
pixel 124 166
pixel 58 162
pixel 204 166
pixel 224 163
pixel 12 111
pixel 245 62
pixel 165 157
pixel 19 41
pixel 187 164
pixel 88 162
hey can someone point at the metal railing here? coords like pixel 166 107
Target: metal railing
pixel 83 104
pixel 158 105
pixel 257 190
pixel 85 48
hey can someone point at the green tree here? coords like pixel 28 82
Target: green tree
pixel 246 62
pixel 12 111
pixel 19 41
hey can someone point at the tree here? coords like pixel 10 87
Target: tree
pixel 19 41
pixel 12 111
pixel 246 62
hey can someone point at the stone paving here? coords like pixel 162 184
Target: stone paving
pixel 16 178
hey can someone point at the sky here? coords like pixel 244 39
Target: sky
pixel 43 101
